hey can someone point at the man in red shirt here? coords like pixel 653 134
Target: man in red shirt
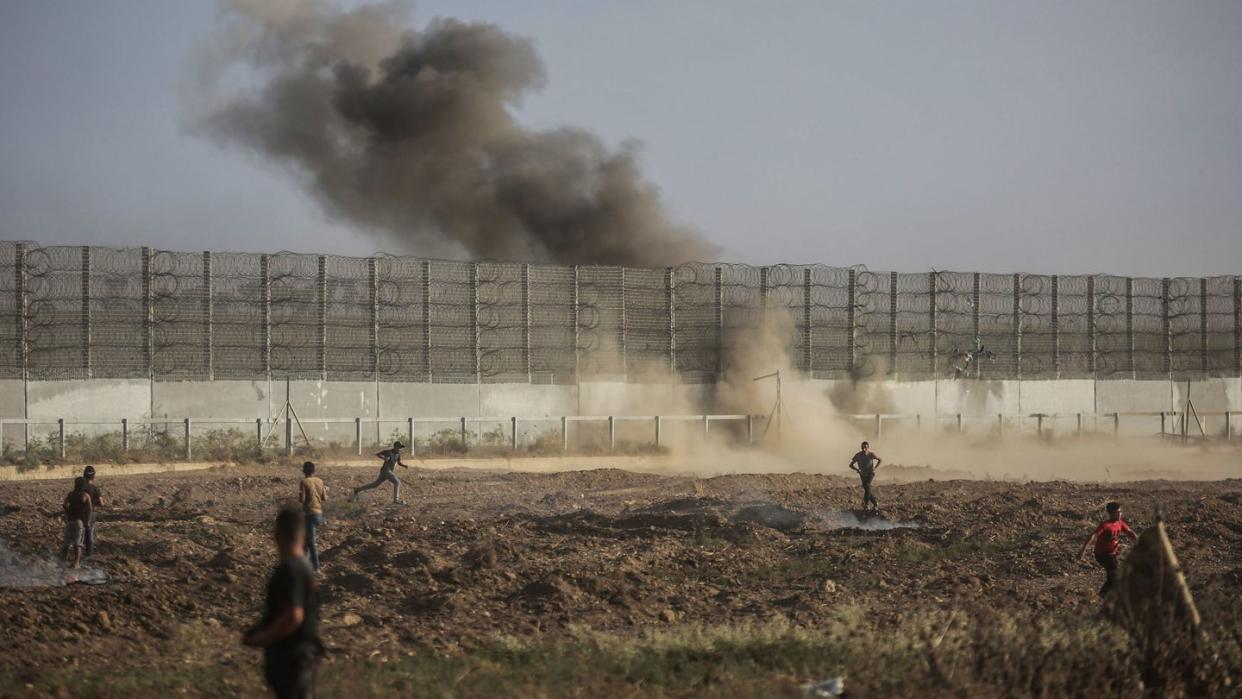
pixel 1107 539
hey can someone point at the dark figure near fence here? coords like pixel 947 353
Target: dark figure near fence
pixel 77 508
pixel 1107 540
pixel 392 459
pixel 865 463
pixel 289 632
pixel 88 545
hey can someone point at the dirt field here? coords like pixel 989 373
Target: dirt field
pixel 610 583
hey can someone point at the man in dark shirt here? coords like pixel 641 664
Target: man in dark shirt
pixel 865 463
pixel 77 507
pixel 392 459
pixel 289 632
pixel 88 545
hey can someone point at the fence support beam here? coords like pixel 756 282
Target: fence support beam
pixel 358 436
pixel 931 320
pixel 718 321
pixel 209 311
pixel 574 315
pixel 565 427
pixel 612 433
pixel 669 291
pixel 1017 325
pixel 1203 326
pixel 265 290
pixel 1237 325
pixel 975 280
pixel 189 441
pixel 60 429
pixel 513 433
pixel 657 430
pixel 526 323
pixel 463 434
pixel 86 310
pixel 1091 339
pixel 1056 326
pixel 19 312
pixel 1166 327
pixel 426 278
pixel 409 432
pixel 808 350
pixel 1130 345
pixel 474 322
pixel 851 346
pixel 125 434
pixel 373 288
pixel 892 324
pixel 622 329
pixel 323 317
pixel 258 431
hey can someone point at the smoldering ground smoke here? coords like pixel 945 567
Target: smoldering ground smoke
pixel 410 135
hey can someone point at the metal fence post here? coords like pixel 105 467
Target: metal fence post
pixel 1116 426
pixel 1091 339
pixel 565 431
pixel 474 322
pixel 513 433
pixel 19 309
pixel 1228 425
pixel 1203 326
pixel 657 430
pixel 974 305
pixel 525 278
pixel 622 328
pixel 808 350
pixel 86 310
pixel 60 429
pixel 959 423
pixel 1079 433
pixel 706 426
pixel 1237 325
pixel 323 317
pixel 358 435
pixel 209 312
pixel 612 433
pixel 373 288
pixel 892 324
pixel 1167 327
pixel 1130 344
pixel 265 290
pixel 258 431
pixel 288 433
pixel 718 321
pixel 669 292
pixel 750 430
pixel 879 427
pixel 189 441
pixel 1039 425
pixel 463 434
pixel 1017 325
pixel 426 317
pixel 409 431
pixel 1056 326
pixel 851 309
pixel 124 434
pixel 574 311
pixel 1000 425
pixel 931 319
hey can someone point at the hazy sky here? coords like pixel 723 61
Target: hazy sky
pixel 1043 136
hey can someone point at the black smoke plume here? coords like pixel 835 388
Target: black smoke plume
pixel 410 135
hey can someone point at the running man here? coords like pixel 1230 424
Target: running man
pixel 289 632
pixel 77 507
pixel 392 459
pixel 1107 539
pixel 96 502
pixel 865 463
pixel 312 494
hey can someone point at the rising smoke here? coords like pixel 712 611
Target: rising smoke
pixel 410 136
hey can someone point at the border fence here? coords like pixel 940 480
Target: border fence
pixel 73 312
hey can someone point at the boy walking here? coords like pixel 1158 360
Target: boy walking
pixel 392 459
pixel 865 463
pixel 96 502
pixel 77 507
pixel 1107 539
pixel 289 632
pixel 312 494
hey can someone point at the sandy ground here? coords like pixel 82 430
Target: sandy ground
pixel 479 553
